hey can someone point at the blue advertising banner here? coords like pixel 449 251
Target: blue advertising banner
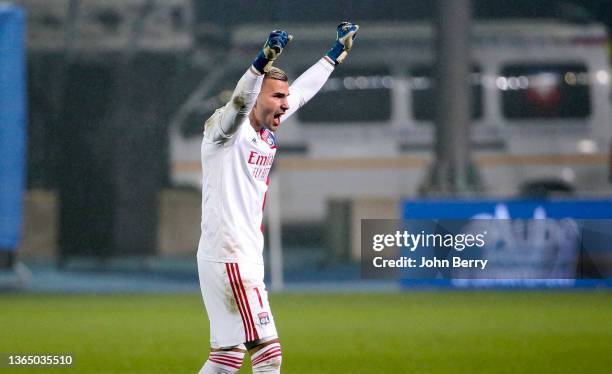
pixel 12 123
pixel 507 209
pixel 529 243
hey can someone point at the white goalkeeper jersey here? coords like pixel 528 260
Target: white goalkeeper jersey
pixel 236 163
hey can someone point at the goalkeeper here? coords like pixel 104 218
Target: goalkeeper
pixel 238 149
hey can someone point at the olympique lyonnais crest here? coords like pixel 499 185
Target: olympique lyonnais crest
pixel 267 136
pixel 264 319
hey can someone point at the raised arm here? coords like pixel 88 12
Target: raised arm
pixel 224 123
pixel 312 80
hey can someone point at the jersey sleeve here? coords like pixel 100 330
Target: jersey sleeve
pixel 307 85
pixel 224 123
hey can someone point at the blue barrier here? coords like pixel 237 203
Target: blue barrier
pixel 507 209
pixel 593 215
pixel 12 124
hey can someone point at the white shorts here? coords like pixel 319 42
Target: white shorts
pixel 236 301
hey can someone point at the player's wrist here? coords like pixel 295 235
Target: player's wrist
pixel 335 52
pixel 260 62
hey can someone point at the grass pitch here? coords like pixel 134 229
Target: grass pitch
pixel 412 332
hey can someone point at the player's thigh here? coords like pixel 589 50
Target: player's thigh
pixel 226 323
pixel 251 277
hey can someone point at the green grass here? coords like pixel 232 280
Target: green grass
pixel 417 332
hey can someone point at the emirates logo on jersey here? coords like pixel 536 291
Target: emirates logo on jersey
pixel 259 159
pixel 260 164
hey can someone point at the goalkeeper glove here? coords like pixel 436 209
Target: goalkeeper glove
pixel 273 47
pixel 344 42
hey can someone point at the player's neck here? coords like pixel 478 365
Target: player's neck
pixel 254 123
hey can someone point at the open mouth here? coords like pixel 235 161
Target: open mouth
pixel 277 118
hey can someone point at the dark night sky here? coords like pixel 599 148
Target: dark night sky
pixel 226 12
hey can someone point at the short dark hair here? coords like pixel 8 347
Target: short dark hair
pixel 276 73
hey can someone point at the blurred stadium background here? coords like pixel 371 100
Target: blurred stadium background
pixel 101 108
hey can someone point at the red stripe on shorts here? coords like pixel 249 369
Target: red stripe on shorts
pixel 233 283
pixel 259 297
pixel 248 307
